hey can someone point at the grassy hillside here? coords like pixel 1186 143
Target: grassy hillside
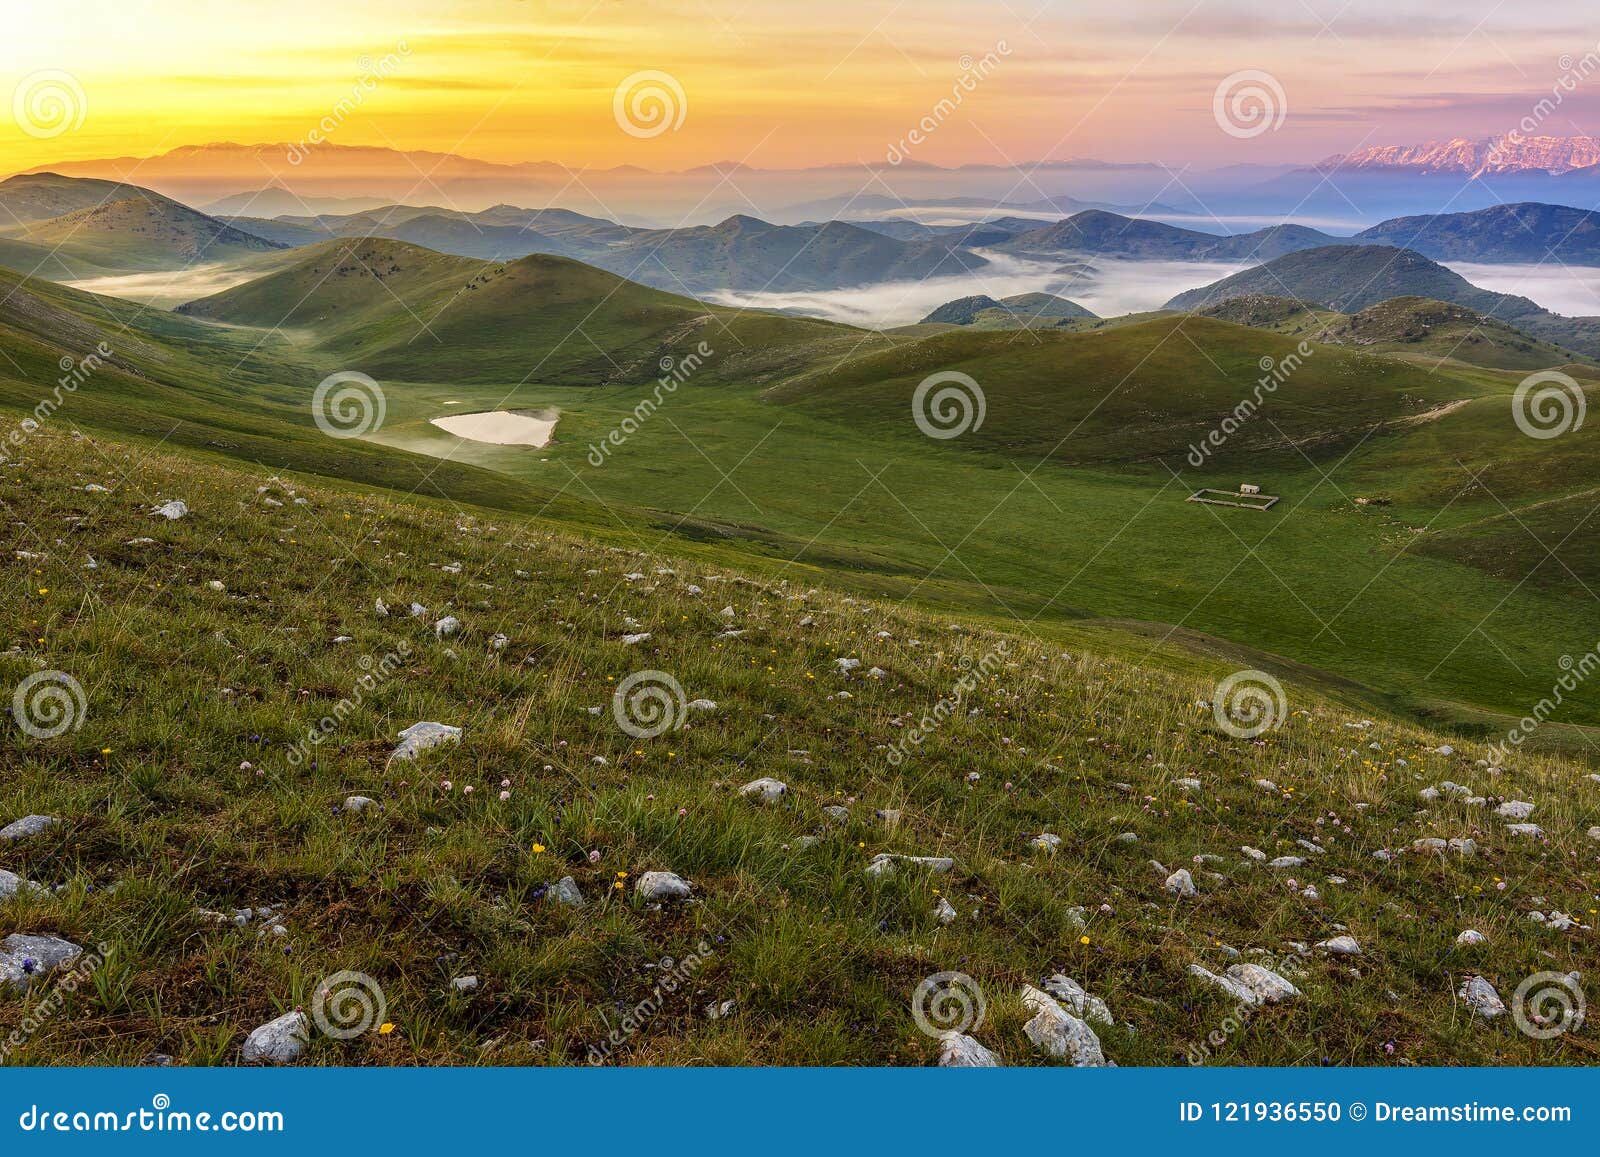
pixel 1525 232
pixel 30 197
pixel 1413 326
pixel 395 309
pixel 144 232
pixel 1130 393
pixel 1020 311
pixel 793 443
pixel 1352 278
pixel 207 648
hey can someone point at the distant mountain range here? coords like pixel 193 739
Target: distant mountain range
pixel 1474 158
pixel 742 253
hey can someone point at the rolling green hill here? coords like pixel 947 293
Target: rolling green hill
pixel 1064 508
pixel 391 308
pixel 1019 311
pixel 1525 232
pixel 1352 278
pixel 144 233
pixel 30 197
pixel 1402 325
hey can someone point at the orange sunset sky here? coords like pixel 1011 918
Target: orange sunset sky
pixel 788 84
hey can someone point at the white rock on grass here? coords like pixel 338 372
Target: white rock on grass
pixel 1180 883
pixel 944 912
pixel 1341 946
pixel 357 804
pixel 566 892
pixel 25 960
pixel 172 511
pixel 465 984
pixel 631 640
pixel 764 790
pixel 1479 995
pixel 12 884
pixel 419 737
pixel 1594 833
pixel 1045 842
pixel 278 1042
pixel 1077 1000
pixel 661 886
pixel 957 1050
pixel 1056 1031
pixel 702 705
pixel 1283 862
pixel 26 826
pixel 447 626
pixel 1249 984
pixel 1531 830
pixel 1514 809
pixel 883 863
pixel 1471 938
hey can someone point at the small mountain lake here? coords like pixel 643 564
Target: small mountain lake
pixel 502 427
